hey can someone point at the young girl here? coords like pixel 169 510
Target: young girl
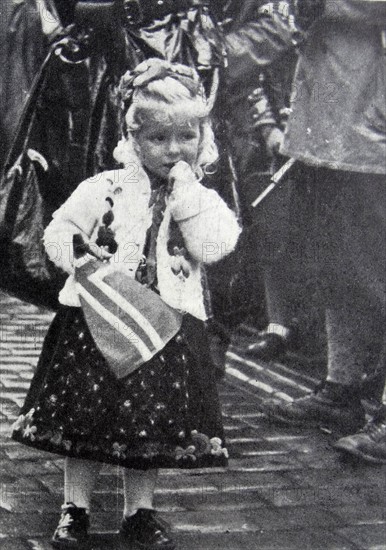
pixel 161 224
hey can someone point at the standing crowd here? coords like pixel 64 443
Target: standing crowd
pixel 151 132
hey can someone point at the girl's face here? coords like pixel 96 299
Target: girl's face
pixel 166 138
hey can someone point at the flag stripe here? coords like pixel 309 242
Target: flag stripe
pixel 115 322
pixel 128 308
pixel 125 319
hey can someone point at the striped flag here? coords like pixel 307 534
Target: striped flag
pixel 128 322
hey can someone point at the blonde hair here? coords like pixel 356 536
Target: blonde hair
pixel 171 93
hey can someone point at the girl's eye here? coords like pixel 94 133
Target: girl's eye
pixel 158 138
pixel 188 136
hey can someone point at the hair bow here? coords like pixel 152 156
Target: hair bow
pixel 157 69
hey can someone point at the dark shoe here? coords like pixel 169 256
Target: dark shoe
pixel 146 531
pixel 270 346
pixel 267 347
pixel 369 444
pixel 373 384
pixel 372 406
pixel 333 407
pixel 72 530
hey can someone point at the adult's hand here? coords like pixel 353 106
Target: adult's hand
pixel 273 141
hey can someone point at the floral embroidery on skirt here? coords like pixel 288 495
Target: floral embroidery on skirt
pixel 165 414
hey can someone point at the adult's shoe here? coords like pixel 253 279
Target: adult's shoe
pixel 268 346
pixel 368 445
pixel 373 383
pixel 72 530
pixel 333 406
pixel 145 531
pixel 372 386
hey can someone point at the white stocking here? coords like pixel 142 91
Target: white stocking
pixel 79 481
pixel 138 486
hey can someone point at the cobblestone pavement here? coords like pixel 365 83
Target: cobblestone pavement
pixel 284 489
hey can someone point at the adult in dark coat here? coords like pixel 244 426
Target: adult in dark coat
pixel 337 132
pixel 259 38
pixel 21 53
pixel 78 117
pixel 27 28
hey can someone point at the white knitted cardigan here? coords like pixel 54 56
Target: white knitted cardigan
pixel 209 229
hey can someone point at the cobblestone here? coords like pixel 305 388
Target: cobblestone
pixel 285 488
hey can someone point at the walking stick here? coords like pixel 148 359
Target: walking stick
pixel 275 180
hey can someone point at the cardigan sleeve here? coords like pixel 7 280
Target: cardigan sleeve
pixel 209 227
pixel 78 215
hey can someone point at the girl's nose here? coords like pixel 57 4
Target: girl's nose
pixel 174 147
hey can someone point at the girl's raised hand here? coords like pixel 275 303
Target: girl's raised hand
pixel 180 175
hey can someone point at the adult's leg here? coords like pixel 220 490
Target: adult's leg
pixel 369 444
pixel 354 274
pixel 285 222
pixel 352 334
pixel 349 253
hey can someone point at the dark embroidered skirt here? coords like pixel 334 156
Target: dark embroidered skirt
pixel 165 414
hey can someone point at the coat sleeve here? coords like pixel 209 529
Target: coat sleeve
pixel 257 43
pixel 209 227
pixel 78 215
pixel 369 12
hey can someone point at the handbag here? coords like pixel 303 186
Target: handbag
pixel 25 270
pixel 129 322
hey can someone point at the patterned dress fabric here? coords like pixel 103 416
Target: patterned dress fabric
pixel 165 414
